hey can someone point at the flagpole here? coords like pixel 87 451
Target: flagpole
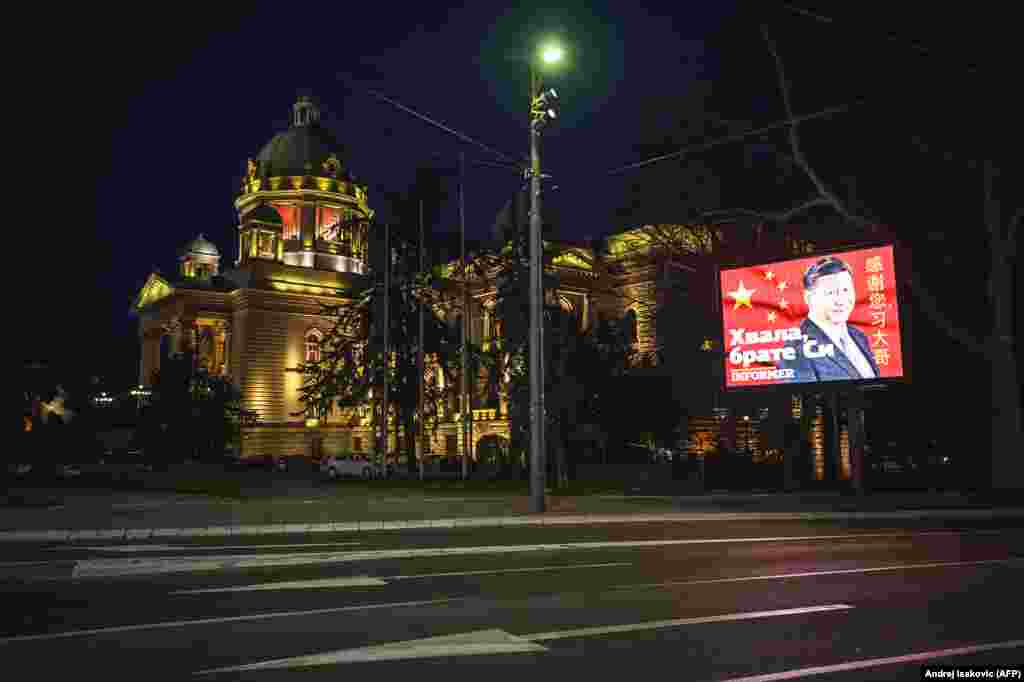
pixel 466 415
pixel 419 360
pixel 383 447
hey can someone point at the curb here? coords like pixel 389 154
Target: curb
pixel 492 521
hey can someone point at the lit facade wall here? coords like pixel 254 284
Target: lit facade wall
pixel 263 354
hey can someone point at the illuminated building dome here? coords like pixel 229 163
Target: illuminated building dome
pixel 200 246
pixel 299 206
pixel 199 259
pixel 306 148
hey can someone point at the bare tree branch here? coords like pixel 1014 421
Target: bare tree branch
pixel 779 217
pixel 931 308
pixel 794 139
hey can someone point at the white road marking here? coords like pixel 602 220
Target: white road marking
pixel 876 662
pixel 168 548
pixel 119 567
pixel 809 574
pixel 476 643
pixel 495 641
pixel 365 580
pixel 508 570
pixel 350 581
pixel 126 548
pixel 658 624
pixel 217 621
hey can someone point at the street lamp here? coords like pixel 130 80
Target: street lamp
pixel 551 54
pixel 541 112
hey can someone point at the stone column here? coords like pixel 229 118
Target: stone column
pixel 226 333
pixel 307 224
pixel 175 332
pixel 502 388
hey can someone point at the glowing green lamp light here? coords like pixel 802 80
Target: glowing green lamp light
pixel 551 54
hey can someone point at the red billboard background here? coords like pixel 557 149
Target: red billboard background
pixel 763 307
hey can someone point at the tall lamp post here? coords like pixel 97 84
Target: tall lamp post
pixel 541 111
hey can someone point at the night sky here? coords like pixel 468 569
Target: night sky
pixel 157 114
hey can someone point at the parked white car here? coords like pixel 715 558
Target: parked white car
pixel 338 467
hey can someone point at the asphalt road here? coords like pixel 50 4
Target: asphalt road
pixel 691 601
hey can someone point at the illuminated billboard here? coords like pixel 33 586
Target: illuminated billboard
pixel 828 317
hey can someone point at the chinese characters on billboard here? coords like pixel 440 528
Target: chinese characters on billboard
pixel 822 318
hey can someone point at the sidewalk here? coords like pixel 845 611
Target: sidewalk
pixel 101 514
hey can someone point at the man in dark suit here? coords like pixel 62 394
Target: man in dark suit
pixel 830 349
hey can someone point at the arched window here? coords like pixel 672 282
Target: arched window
pixel 313 338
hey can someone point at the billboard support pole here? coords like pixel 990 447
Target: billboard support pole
pixel 834 465
pixel 719 357
pixel 855 425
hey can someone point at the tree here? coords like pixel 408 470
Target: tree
pixel 577 365
pixel 191 413
pixel 350 373
pixel 996 345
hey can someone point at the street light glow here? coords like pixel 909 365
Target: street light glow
pixel 551 54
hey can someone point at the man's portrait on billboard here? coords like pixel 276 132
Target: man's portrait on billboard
pixel 830 349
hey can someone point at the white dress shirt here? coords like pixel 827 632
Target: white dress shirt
pixel 853 353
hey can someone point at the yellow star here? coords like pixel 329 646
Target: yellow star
pixel 781 285
pixel 783 303
pixel 771 316
pixel 742 296
pixel 769 275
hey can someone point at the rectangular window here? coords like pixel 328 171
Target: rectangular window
pixel 329 223
pixel 290 220
pixel 357 444
pixel 266 245
pixel 451 445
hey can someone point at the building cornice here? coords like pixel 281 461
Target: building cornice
pixel 310 188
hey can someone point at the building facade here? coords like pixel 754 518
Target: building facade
pixel 304 241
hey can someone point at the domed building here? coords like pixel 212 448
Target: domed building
pixel 303 240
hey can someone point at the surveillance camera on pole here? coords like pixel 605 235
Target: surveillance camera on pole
pixel 542 111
